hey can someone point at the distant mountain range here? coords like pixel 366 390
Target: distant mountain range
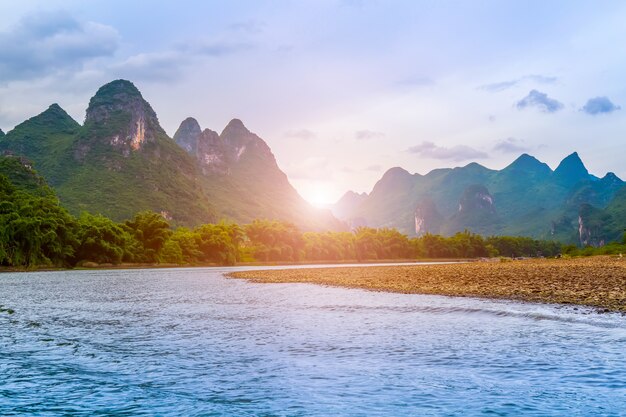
pixel 120 161
pixel 526 198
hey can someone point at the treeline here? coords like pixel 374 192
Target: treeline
pixel 35 230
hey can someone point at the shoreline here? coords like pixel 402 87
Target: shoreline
pixel 104 267
pixel 598 282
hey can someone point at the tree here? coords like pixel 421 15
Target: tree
pixel 102 240
pixel 152 231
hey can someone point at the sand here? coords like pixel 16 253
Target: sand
pixel 595 281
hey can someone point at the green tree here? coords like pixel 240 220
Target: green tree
pixel 152 231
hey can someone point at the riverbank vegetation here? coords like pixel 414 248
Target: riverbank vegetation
pixel 35 230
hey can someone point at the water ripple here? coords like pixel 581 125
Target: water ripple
pixel 190 342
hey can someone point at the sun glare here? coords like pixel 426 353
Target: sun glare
pixel 320 196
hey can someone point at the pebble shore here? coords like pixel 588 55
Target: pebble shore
pixel 595 281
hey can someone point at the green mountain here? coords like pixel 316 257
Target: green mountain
pixel 118 163
pixel 599 226
pixel 22 176
pixel 525 198
pixel 45 139
pixel 242 178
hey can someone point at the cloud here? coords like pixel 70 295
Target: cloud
pixel 47 42
pixel 303 134
pixel 495 87
pixel 599 105
pixel 541 79
pixel 157 66
pixel 541 101
pixel 510 145
pixel 168 65
pixel 504 85
pixel 368 134
pixel 455 153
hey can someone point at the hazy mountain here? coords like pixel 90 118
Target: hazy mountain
pixel 524 198
pixel 242 178
pixel 348 203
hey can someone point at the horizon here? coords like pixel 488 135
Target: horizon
pixel 370 78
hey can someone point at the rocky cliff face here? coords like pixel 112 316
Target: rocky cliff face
pixel 206 146
pixel 476 199
pixel 241 176
pixel 476 212
pixel 427 218
pixel 221 153
pixel 591 222
pixel 122 117
pixel 188 134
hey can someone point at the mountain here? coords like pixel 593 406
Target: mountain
pixel 1 133
pixel 598 226
pixel 121 161
pixel 45 139
pixel 571 170
pixel 427 217
pixel 118 163
pixel 21 174
pixel 476 212
pixel 242 178
pixel 348 203
pixel 525 198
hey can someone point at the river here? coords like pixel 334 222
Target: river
pixel 190 342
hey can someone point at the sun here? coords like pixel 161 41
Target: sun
pixel 319 196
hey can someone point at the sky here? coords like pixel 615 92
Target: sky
pixel 341 90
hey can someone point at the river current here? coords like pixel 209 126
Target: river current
pixel 189 342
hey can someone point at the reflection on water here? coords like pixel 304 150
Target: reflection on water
pixel 190 342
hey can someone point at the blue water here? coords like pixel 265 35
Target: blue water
pixel 188 342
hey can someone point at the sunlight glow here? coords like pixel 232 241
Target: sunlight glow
pixel 319 196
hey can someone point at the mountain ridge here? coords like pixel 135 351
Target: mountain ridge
pixel 121 161
pixel 239 160
pixel 528 198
